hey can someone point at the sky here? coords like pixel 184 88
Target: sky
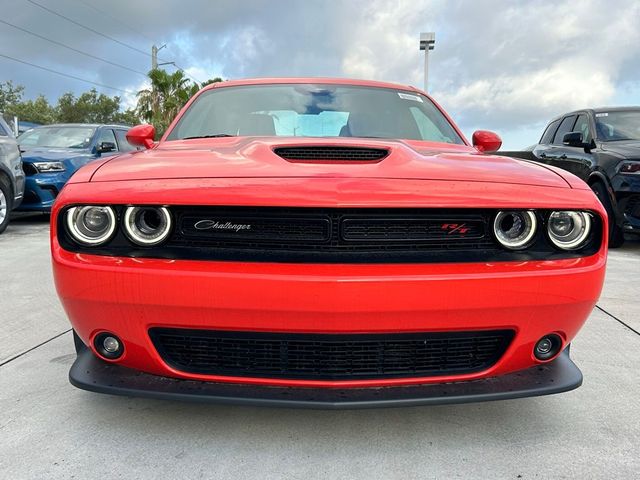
pixel 506 66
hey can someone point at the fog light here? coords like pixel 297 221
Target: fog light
pixel 108 346
pixel 547 347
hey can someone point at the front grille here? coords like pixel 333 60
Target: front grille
pixel 339 154
pixel 29 169
pixel 329 356
pixel 350 235
pixel 632 208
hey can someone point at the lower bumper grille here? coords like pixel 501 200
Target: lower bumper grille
pixel 329 357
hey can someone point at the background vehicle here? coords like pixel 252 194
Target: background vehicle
pixel 52 153
pixel 602 147
pixel 11 174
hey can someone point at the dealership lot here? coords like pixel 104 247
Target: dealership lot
pixel 49 429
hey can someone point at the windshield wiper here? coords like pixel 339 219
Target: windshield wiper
pixel 214 135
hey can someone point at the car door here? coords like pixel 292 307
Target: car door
pixel 544 145
pixel 556 155
pixel 578 160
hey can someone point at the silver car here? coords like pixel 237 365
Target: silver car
pixel 11 174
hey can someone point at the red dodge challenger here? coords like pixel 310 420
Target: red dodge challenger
pixel 324 243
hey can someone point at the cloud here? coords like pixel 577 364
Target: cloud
pixel 508 66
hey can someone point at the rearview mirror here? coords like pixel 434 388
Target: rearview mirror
pixel 105 147
pixel 485 141
pixel 573 139
pixel 141 136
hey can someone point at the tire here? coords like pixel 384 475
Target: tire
pixel 616 234
pixel 6 202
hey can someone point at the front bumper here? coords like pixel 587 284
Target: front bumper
pixel 92 374
pixel 41 191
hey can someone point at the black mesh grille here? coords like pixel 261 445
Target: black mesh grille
pixel 365 235
pixel 29 169
pixel 322 356
pixel 632 208
pixel 346 154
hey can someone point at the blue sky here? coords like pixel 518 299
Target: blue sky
pixel 508 66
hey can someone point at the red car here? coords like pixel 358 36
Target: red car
pixel 324 243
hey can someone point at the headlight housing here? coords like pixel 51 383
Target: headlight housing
pixel 91 224
pixel 569 230
pixel 48 167
pixel 147 226
pixel 515 229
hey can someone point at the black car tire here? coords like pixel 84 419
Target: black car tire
pixel 8 197
pixel 616 234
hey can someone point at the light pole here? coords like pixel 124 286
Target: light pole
pixel 427 42
pixel 154 57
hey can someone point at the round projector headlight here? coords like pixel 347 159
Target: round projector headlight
pixel 147 226
pixel 569 230
pixel 91 225
pixel 515 229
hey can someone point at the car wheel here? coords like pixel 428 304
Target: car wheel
pixel 5 203
pixel 616 234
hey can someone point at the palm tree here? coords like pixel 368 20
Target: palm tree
pixel 160 103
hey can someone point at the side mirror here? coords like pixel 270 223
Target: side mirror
pixel 486 142
pixel 573 139
pixel 141 136
pixel 105 147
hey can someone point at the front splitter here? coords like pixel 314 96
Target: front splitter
pixel 90 373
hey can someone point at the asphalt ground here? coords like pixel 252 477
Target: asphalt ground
pixel 49 429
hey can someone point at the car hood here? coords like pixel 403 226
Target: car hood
pixel 246 157
pixel 626 149
pixel 41 154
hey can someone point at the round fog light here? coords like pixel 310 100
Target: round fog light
pixel 111 344
pixel 108 346
pixel 547 347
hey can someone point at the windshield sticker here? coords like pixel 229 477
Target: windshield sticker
pixel 408 96
pixel 602 114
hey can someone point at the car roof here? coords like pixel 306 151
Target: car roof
pixel 596 110
pixel 316 80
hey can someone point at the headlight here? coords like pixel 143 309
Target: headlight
pixel 91 225
pixel 46 167
pixel 569 230
pixel 147 226
pixel 515 229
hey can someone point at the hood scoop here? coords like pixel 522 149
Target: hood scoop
pixel 331 154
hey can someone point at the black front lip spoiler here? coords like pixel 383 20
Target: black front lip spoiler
pixel 90 373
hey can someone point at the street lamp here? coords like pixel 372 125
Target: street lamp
pixel 427 42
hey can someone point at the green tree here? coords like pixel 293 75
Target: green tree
pixel 37 111
pixel 160 103
pixel 10 95
pixel 90 107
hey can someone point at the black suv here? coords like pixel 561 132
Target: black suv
pixel 602 147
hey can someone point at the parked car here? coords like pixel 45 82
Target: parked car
pixel 324 243
pixel 11 174
pixel 602 147
pixel 51 155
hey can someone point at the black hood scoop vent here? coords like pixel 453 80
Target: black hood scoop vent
pixel 331 154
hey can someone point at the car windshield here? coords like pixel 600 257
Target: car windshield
pixel 618 125
pixel 57 137
pixel 314 110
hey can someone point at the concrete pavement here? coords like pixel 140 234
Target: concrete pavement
pixel 49 429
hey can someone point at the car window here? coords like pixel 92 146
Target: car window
pixel 565 127
pixel 582 126
pixel 106 135
pixel 63 136
pixel 547 136
pixel 5 129
pixel 123 144
pixel 314 110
